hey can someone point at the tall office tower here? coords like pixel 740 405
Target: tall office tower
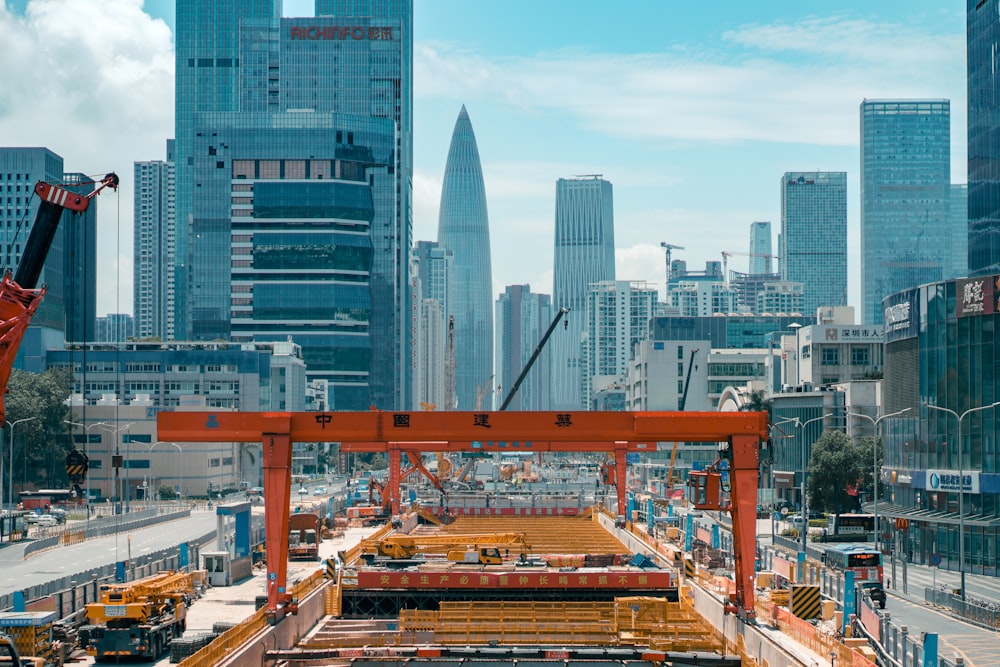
pixel 905 183
pixel 522 318
pixel 299 217
pixel 208 71
pixel 958 230
pixel 760 248
pixel 983 40
pixel 464 229
pixel 814 236
pixel 254 112
pixel 80 264
pixel 382 83
pixel 618 314
pixel 432 271
pixel 20 169
pixel 153 248
pixel 584 254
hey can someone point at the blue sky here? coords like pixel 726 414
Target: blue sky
pixel 692 110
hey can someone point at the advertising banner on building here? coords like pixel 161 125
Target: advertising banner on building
pixel 901 315
pixel 951 480
pixel 976 296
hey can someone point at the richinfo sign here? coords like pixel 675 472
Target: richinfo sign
pixel 340 32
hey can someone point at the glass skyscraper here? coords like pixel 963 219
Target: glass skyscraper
pixel 584 254
pixel 814 236
pixel 760 248
pixel 983 42
pixel 463 228
pixel 293 159
pixel 905 186
pixel 522 318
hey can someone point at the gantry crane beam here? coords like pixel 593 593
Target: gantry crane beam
pixel 398 432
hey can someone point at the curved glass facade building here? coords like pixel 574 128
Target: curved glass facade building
pixel 584 254
pixel 941 349
pixel 464 228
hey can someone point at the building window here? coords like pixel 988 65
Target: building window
pixel 860 356
pixel 831 357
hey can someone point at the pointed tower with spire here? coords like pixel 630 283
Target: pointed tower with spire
pixel 464 228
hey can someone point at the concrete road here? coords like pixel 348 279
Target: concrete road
pixel 16 573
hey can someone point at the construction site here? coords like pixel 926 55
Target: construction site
pixel 498 585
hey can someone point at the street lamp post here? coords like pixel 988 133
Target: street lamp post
pixel 10 473
pixel 878 444
pixel 961 484
pixel 86 451
pixel 115 430
pixel 801 427
pixel 180 466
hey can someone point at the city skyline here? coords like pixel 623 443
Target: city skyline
pixel 686 103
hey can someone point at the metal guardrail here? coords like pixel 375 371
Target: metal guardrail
pixel 983 613
pixel 67 582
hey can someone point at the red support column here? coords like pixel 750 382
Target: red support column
pixel 620 471
pixel 277 463
pixel 743 483
pixel 393 486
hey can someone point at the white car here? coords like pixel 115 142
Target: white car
pixel 47 520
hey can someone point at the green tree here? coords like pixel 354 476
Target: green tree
pixel 757 401
pixel 835 465
pixel 41 444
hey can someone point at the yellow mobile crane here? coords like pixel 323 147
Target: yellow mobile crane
pixel 408 547
pixel 139 618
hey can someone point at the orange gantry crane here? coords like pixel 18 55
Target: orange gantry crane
pixel 395 433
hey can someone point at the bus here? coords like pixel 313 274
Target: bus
pixel 864 560
pixel 852 524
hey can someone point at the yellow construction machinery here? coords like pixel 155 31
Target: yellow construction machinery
pixel 139 618
pixel 400 547
pixel 477 556
pixel 9 655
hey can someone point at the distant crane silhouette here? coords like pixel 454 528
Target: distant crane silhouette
pixel 668 247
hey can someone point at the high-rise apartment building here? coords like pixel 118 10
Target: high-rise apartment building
pixel 814 236
pixel 153 248
pixel 761 253
pixel 618 315
pixel 584 254
pixel 432 270
pixel 522 318
pixel 70 269
pixel 463 228
pixel 905 186
pixel 293 154
pixel 983 41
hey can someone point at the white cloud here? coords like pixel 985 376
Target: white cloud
pixel 789 86
pixel 91 80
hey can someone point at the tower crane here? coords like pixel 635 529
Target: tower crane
pixel 668 247
pixel 726 254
